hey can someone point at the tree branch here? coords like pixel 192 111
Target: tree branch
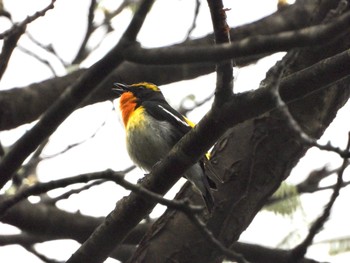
pixel 299 251
pixel 255 45
pixel 9 45
pixel 28 20
pixel 224 69
pixel 82 52
pixel 117 177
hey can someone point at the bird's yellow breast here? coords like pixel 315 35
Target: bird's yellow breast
pixel 136 118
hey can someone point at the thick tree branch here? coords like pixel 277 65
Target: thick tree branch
pixel 255 45
pixel 292 88
pixel 9 45
pixel 224 69
pixel 36 222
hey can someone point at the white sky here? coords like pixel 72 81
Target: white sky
pixel 171 19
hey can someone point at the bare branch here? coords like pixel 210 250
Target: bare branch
pixel 224 69
pixel 37 219
pixel 40 188
pixel 185 110
pixel 291 88
pixel 299 251
pixel 81 55
pixel 310 184
pixel 254 45
pixel 123 5
pixel 9 45
pixel 40 59
pixel 48 48
pixel 44 258
pixel 3 11
pixel 23 239
pixel 196 12
pixel 66 195
pixel 29 169
pixel 28 20
pixel 72 146
pixel 292 123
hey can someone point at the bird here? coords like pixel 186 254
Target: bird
pixel 153 127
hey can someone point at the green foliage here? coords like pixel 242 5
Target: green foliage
pixel 285 200
pixel 338 246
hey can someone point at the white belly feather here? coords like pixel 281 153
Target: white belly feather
pixel 150 142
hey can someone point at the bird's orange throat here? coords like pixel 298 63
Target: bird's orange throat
pixel 127 106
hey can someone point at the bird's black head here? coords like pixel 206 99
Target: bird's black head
pixel 143 90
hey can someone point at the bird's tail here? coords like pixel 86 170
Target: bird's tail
pixel 196 175
pixel 208 199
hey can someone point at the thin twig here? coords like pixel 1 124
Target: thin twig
pixel 73 145
pixel 48 48
pixel 29 169
pixel 291 122
pixel 37 57
pixel 334 13
pixel 122 6
pixel 300 251
pixel 310 185
pixel 184 111
pixel 82 53
pixel 42 257
pixel 28 20
pixel 117 177
pixel 66 195
pixel 196 12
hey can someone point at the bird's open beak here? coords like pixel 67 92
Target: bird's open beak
pixel 120 88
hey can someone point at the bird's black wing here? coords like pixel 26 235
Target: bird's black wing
pixel 164 112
